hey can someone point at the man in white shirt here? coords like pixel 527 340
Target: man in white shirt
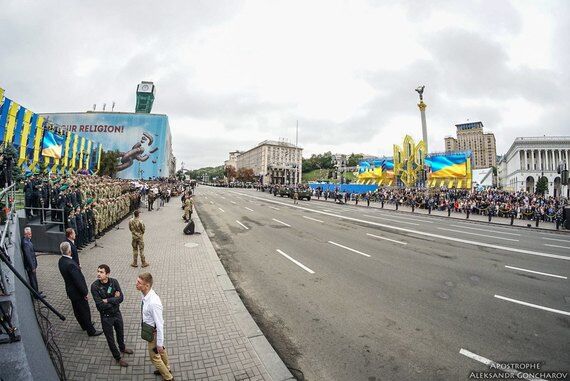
pixel 152 315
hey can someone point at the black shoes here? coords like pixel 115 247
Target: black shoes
pixel 96 333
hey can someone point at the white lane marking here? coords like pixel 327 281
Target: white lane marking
pixel 483 230
pixel 554 239
pixel 281 222
pixel 387 239
pixel 533 305
pixel 387 219
pixel 251 210
pixel 561 247
pixel 245 227
pixel 312 219
pixel 348 248
pixel 221 209
pixel 491 363
pixel 233 202
pixel 536 272
pixel 404 218
pixel 274 208
pixel 426 234
pixel 481 235
pixel 296 262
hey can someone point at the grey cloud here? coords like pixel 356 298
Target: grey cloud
pixel 474 66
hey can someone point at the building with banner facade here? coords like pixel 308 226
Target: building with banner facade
pixel 144 140
pixel 41 143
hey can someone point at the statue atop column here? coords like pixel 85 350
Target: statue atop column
pixel 422 106
pixel 420 91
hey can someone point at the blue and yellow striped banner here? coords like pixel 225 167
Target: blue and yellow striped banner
pixel 66 150
pixel 74 152
pixel 25 135
pixel 38 141
pixel 11 123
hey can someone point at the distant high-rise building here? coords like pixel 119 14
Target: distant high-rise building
pixel 470 136
pixel 145 97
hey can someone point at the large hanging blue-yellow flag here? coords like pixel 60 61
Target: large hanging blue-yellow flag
pixel 52 144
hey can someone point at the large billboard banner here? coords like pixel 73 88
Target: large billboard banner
pixel 143 140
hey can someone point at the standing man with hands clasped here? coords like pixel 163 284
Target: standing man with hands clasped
pixel 108 296
pixel 30 261
pixel 76 289
pixel 152 326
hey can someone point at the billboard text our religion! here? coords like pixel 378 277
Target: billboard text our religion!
pixel 144 140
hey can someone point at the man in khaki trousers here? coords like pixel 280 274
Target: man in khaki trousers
pixel 152 314
pixel 136 226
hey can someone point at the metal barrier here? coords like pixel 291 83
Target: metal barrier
pixel 43 214
pixel 41 307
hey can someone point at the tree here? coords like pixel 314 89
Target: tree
pixel 211 172
pixel 320 161
pixel 180 175
pixel 109 163
pixel 542 186
pixel 10 158
pixel 230 172
pixel 354 159
pixel 246 175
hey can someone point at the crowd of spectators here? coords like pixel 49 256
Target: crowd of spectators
pixel 494 202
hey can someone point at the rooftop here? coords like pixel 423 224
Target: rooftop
pixel 469 126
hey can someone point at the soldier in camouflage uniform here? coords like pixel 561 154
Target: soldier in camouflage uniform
pixel 136 226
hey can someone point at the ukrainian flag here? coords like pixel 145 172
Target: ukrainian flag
pixel 448 166
pixel 52 144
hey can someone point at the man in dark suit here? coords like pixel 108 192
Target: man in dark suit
pixel 70 237
pixel 30 262
pixel 76 289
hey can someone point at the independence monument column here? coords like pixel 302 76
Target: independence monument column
pixel 422 107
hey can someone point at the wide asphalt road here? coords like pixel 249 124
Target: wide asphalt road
pixel 353 293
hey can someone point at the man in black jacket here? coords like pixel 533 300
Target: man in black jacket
pixel 76 289
pixel 70 237
pixel 108 296
pixel 30 261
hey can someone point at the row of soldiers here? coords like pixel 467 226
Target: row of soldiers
pixel 89 204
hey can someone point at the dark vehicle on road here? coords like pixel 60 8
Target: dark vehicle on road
pixel 304 193
pixel 285 192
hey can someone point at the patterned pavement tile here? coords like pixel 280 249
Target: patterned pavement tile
pixel 203 339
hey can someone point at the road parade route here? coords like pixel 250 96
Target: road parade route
pixel 364 292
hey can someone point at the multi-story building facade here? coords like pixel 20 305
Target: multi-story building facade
pixel 232 161
pixel 274 162
pixel 530 158
pixel 470 136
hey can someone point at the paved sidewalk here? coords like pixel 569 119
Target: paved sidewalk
pixel 208 332
pixel 460 216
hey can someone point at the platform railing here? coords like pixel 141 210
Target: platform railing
pixel 7 215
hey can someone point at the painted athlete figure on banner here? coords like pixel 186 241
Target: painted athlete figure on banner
pixel 136 153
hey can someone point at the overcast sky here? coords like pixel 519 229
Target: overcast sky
pixel 231 74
